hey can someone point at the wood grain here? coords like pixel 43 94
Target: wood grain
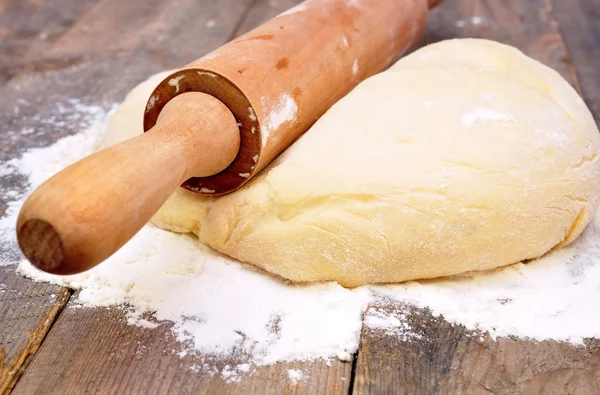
pixel 29 28
pixel 27 311
pixel 95 351
pixel 447 359
pixel 579 23
pixel 441 358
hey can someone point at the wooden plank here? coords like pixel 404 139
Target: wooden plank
pixel 448 359
pixel 28 28
pixel 579 23
pixel 27 311
pixel 94 350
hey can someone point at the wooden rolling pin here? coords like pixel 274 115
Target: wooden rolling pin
pixel 216 123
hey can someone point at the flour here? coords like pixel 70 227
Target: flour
pixel 485 114
pixel 550 298
pixel 284 110
pixel 295 375
pixel 220 307
pixel 477 20
pixel 393 321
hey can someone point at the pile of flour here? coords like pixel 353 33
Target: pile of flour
pixel 219 306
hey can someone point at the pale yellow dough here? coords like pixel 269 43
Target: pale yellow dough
pixel 465 155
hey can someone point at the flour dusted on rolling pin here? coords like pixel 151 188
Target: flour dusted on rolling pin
pixel 282 110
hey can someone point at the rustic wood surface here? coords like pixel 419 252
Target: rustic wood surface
pixel 27 309
pixel 55 50
pixel 440 358
pixel 579 23
pixel 94 350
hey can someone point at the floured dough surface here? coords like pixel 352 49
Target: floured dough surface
pixel 466 155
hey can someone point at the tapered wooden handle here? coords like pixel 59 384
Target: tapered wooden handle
pixel 85 213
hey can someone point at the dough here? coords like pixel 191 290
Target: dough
pixel 465 155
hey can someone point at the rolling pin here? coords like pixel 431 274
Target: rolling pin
pixel 213 125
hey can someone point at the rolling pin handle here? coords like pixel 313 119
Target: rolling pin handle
pixel 70 224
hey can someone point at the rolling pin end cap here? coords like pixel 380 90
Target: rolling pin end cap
pixel 42 245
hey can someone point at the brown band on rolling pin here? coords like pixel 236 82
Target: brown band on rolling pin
pixel 274 71
pixel 200 80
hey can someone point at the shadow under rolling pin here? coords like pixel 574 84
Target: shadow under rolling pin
pixel 213 125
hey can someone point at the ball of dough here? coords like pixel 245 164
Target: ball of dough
pixel 466 155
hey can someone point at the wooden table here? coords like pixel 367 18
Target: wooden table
pixel 53 50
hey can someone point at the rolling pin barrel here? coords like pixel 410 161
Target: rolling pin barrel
pixel 216 123
pixel 279 78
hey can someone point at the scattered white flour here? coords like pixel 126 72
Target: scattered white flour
pixel 485 114
pixel 378 320
pixel 344 42
pixel 220 307
pixel 393 321
pixel 284 110
pixel 295 375
pixel 152 102
pixel 207 73
pixel 477 20
pixel 174 82
pixel 232 374
pixel 355 67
